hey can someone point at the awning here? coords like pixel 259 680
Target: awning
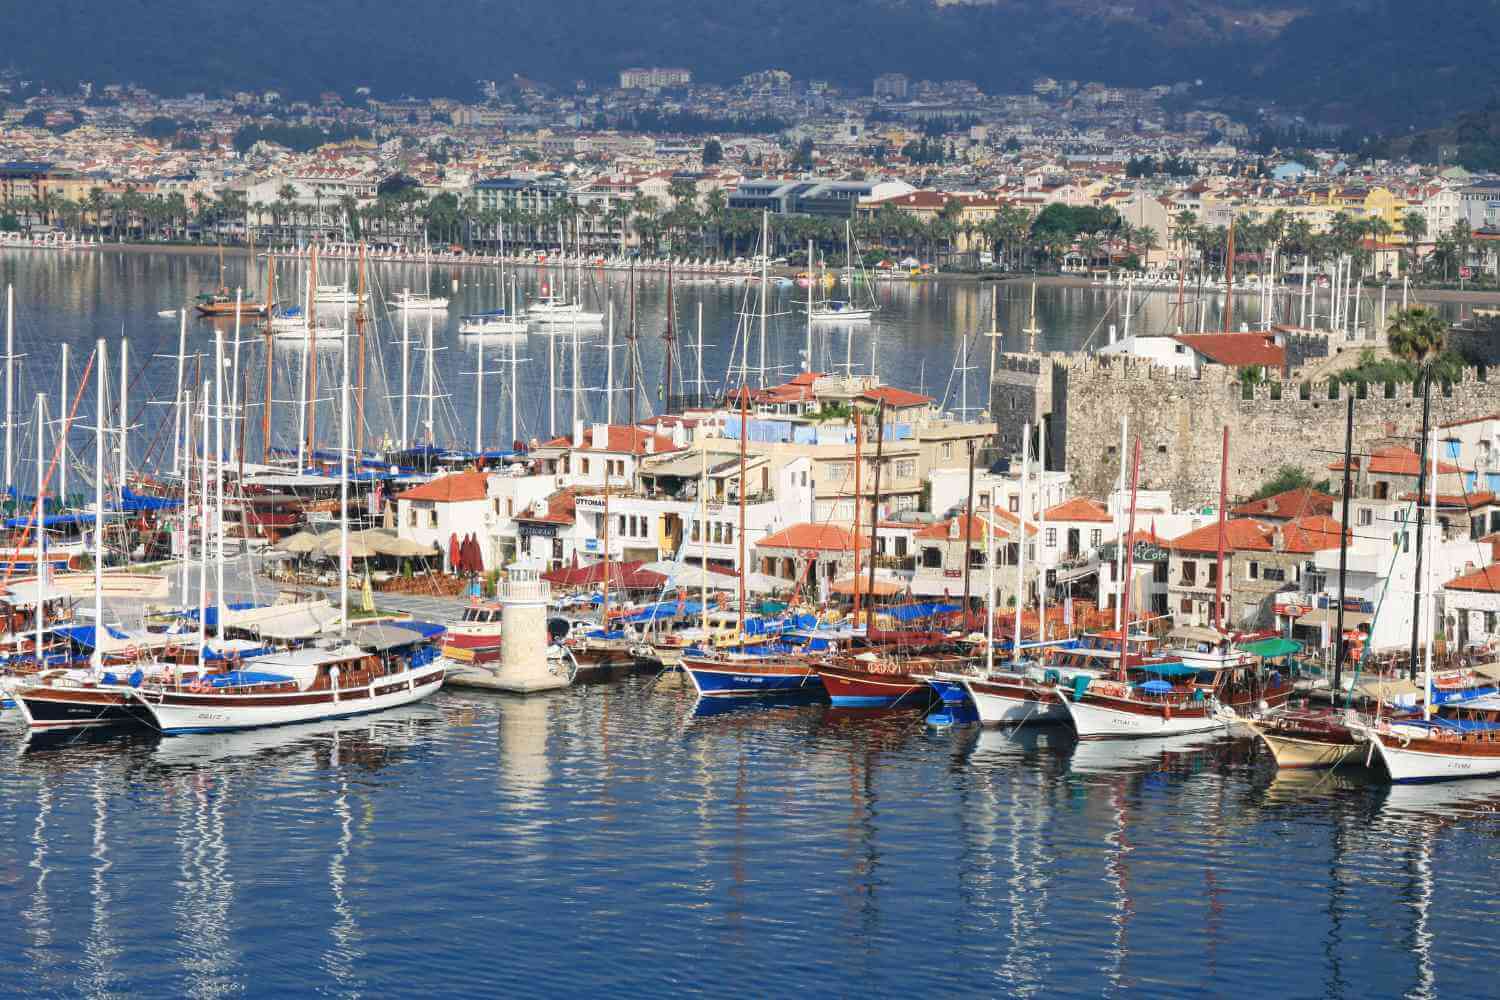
pixel 850 585
pixel 1273 649
pixel 1386 690
pixel 1318 617
pixel 427 630
pixel 379 638
pixel 286 621
pixel 1191 633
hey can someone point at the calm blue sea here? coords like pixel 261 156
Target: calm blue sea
pixel 616 841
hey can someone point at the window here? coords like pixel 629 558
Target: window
pixel 728 534
pixel 1189 575
pixel 1015 505
pixel 1366 517
pixel 497 506
pixel 510 507
pixel 1051 538
pixel 1252 571
pixel 1159 573
pixel 1213 574
pixel 1096 537
pixel 411 517
pixel 432 517
pixel 932 559
pixel 621 522
pixel 947 449
pixel 906 468
pixel 1274 574
pixel 583 466
pixel 1186 607
pixel 976 559
pixel 696 530
pixel 718 532
pixel 900 542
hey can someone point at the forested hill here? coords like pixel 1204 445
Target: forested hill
pixel 1371 61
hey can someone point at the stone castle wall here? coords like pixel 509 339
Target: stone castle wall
pixel 1180 417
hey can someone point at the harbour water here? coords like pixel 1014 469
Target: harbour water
pixel 617 840
pixel 917 338
pixel 611 841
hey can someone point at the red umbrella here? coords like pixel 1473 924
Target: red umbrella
pixel 455 555
pixel 473 558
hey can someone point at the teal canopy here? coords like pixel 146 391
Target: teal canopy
pixel 1273 649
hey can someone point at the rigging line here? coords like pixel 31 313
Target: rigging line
pixel 36 521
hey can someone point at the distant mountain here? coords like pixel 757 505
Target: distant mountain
pixel 1366 61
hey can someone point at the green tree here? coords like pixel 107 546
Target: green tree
pixel 1417 335
pixel 713 153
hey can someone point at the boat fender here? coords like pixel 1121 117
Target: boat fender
pixel 198 687
pixel 1167 711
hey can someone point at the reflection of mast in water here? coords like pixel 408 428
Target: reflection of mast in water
pixel 1421 904
pixel 1118 870
pixel 100 951
pixel 344 956
pixel 205 889
pixel 38 916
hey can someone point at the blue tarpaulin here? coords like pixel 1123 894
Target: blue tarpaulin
pixel 134 503
pixel 924 609
pixel 427 630
pixel 191 614
pixel 1170 669
pixel 51 520
pixel 84 634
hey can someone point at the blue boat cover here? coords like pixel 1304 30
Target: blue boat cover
pixel 1169 669
pixel 427 630
pixel 1157 687
pixel 84 634
pixel 924 609
pixel 51 520
pixel 240 678
pixel 134 503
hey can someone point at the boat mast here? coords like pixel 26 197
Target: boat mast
pixel 808 367
pixel 177 415
pixel 312 358
pixel 1041 526
pixel 429 377
pixel 359 325
pixel 703 537
pixel 514 402
pixel 39 524
pixel 101 379
pixel 1229 280
pixel 405 370
pixel 234 397
pixel 344 484
pixel 270 378
pixel 744 434
pixel 124 408
pixel 874 513
pixel 968 527
pixel 1339 652
pixel 765 259
pixel 219 464
pixel 1135 481
pixel 609 369
pixel 479 397
pixel 1429 596
pixel 1218 615
pixel 630 348
pixel 1021 538
pixel 859 437
pixel 10 384
pixel 670 340
pixel 62 430
pixel 203 509
pixel 1119 516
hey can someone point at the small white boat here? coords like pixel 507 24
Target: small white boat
pixel 336 295
pixel 167 313
pixel 491 324
pixel 840 312
pixel 416 302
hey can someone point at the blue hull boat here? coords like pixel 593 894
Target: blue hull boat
pixel 773 676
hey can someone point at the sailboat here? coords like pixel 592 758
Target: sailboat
pixel 1461 742
pixel 842 311
pixel 558 309
pixel 409 301
pixel 1121 708
pixel 223 302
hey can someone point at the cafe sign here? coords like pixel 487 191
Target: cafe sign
pixel 1144 552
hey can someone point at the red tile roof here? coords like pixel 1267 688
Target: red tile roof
pixel 456 487
pixel 1240 535
pixel 895 397
pixel 1485 581
pixel 1287 505
pixel 560 510
pixel 630 440
pixel 1079 509
pixel 1237 350
pixel 1004 521
pixel 827 537
pixel 1396 461
pixel 1316 533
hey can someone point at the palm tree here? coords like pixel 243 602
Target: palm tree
pixel 1418 335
